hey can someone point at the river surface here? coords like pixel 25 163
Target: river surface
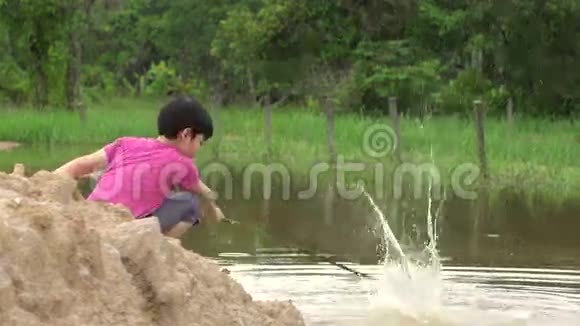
pixel 513 261
pixel 456 296
pixel 509 267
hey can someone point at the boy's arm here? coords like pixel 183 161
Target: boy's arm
pixel 84 165
pixel 208 197
pixel 204 191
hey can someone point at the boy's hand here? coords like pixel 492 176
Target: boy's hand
pixel 208 197
pixel 218 215
pixel 212 211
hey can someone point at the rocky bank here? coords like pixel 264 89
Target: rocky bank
pixel 67 261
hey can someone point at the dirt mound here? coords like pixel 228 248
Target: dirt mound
pixel 8 145
pixel 66 261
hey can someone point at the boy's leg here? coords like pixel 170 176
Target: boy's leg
pixel 178 214
pixel 179 229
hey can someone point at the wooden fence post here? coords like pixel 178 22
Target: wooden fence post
pixel 268 139
pixel 479 114
pixel 332 156
pixel 510 112
pixel 394 114
pixel 266 210
pixel 216 102
pixel 329 111
pixel 268 126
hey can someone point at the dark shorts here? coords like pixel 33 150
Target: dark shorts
pixel 180 207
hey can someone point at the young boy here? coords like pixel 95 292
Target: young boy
pixel 142 173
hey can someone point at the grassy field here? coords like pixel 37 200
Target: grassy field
pixel 536 155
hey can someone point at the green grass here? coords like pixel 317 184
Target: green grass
pixel 536 155
pixel 117 118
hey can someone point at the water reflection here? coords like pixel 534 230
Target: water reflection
pixel 505 235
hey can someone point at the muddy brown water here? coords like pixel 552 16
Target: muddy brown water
pixel 513 264
pixel 510 267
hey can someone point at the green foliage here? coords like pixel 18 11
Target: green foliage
pixel 14 84
pixel 159 79
pixel 423 52
pixel 38 35
pixel 459 94
pixel 238 40
pixel 162 79
pixel 259 45
pixel 99 82
pixel 56 70
pixel 384 70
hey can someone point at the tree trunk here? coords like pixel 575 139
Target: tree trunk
pixel 186 63
pixel 39 50
pixel 113 4
pixel 73 88
pixel 73 72
pixel 41 87
pixel 477 60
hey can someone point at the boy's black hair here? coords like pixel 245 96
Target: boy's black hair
pixel 184 112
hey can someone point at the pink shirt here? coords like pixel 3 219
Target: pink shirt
pixel 141 173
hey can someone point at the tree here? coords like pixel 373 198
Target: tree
pixel 33 26
pixel 77 14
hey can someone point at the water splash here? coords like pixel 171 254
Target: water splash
pixel 408 293
pixel 435 260
pixel 388 235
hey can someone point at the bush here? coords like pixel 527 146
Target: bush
pixel 14 84
pixel 98 83
pixel 458 95
pixel 162 79
pixel 159 80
